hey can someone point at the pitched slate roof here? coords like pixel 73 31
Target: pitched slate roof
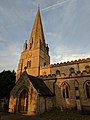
pixel 40 86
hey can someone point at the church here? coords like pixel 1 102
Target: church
pixel 41 86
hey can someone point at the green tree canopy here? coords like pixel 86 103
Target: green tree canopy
pixel 7 82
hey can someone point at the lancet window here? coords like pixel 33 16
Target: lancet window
pixel 87 88
pixel 65 90
pixel 28 64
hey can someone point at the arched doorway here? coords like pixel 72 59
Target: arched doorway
pixel 23 101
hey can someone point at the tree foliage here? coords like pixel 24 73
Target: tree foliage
pixel 7 82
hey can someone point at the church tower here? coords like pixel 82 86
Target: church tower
pixel 36 52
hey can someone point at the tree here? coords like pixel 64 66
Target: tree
pixel 7 82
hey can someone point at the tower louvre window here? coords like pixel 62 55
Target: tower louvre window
pixel 44 64
pixel 28 64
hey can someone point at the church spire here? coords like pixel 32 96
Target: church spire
pixel 37 34
pixel 36 53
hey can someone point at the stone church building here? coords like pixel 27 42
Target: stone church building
pixel 41 86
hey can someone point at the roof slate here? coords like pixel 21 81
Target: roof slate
pixel 40 86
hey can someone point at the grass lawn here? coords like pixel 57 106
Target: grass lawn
pixel 52 115
pixel 64 115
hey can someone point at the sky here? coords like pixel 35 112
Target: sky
pixel 66 25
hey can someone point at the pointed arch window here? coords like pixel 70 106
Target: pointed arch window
pixel 65 90
pixel 87 89
pixel 28 64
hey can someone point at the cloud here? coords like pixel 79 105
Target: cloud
pixel 63 54
pixel 10 49
pixel 66 23
pixel 51 34
pixel 68 57
pixel 8 67
pixel 71 23
pixel 9 56
pixel 75 57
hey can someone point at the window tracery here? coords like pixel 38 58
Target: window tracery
pixel 87 89
pixel 65 90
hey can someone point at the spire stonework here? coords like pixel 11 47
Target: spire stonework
pixel 36 53
pixel 37 34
